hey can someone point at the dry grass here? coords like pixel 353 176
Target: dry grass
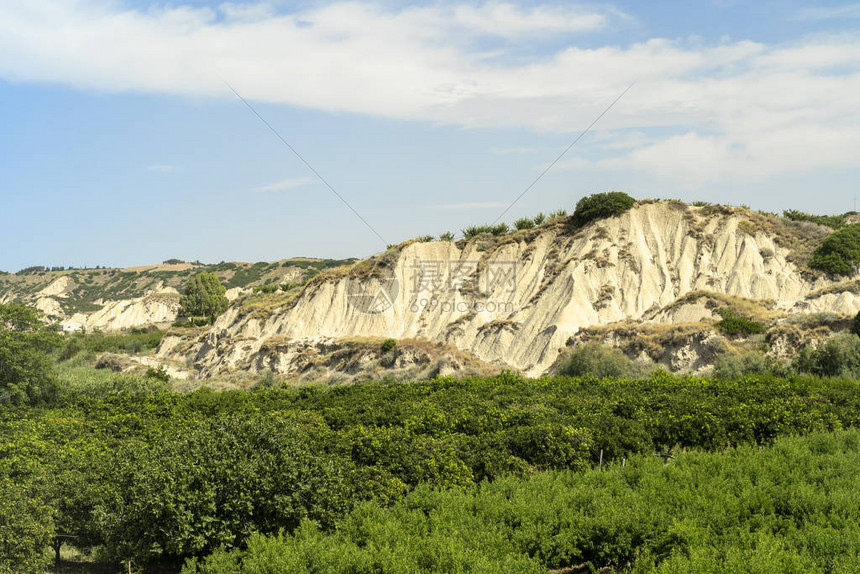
pixel 851 286
pixel 166 298
pixel 263 305
pixel 654 339
pixel 161 267
pixel 761 310
pixel 604 297
pixel 357 359
pixel 801 238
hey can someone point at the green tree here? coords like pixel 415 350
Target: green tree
pixel 204 297
pixel 215 483
pixel 26 368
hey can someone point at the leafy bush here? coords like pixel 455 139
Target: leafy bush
pixel 839 253
pixel 447 236
pixel 855 324
pixel 558 213
pixel 475 230
pixel 266 380
pixel 831 221
pixel 733 367
pixel 425 238
pixel 388 345
pixel 838 356
pixel 596 359
pixel 524 223
pixel 265 288
pixel 600 206
pixel 734 324
pixel 539 218
pixel 499 229
pixel 158 373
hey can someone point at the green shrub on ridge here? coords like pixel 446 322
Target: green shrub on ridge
pixel 839 253
pixel 734 324
pixel 600 206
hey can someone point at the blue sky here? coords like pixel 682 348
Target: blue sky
pixel 121 145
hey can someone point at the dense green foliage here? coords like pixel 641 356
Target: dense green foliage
pixel 388 345
pixel 839 253
pixel 135 341
pixel 152 475
pixel 26 368
pixel 216 484
pixel 204 297
pixel 701 513
pixel 475 230
pixel 733 367
pixel 831 221
pixel 734 324
pixel 837 356
pixel 26 528
pixel 600 206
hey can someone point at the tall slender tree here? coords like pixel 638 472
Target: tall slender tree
pixel 204 297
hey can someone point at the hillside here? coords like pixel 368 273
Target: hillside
pixel 517 300
pixel 114 299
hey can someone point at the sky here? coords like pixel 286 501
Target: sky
pixel 122 143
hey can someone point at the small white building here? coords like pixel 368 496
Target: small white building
pixel 71 326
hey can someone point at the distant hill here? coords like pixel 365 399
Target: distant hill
pixel 111 299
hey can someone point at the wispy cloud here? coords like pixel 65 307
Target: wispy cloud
pixel 483 205
pixel 284 185
pixel 830 13
pixel 164 168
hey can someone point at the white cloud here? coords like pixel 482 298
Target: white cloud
pixel 484 205
pixel 164 168
pixel 508 20
pixel 286 184
pixel 731 109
